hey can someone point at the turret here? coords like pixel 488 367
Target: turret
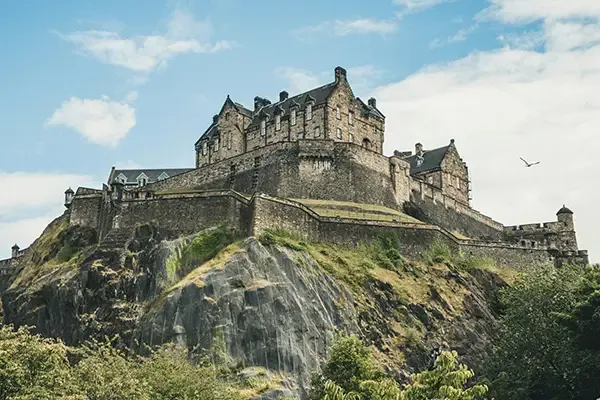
pixel 565 216
pixel 15 251
pixel 69 197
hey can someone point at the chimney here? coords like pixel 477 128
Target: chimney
pixel 257 103
pixel 418 149
pixel 340 73
pixel 15 251
pixel 283 96
pixel 372 102
pixel 215 118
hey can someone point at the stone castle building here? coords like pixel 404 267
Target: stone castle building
pixel 314 163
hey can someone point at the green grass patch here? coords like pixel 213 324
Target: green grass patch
pixel 437 253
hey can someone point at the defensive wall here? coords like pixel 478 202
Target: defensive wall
pixel 429 204
pixel 316 169
pixel 192 211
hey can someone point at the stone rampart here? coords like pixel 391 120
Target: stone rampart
pixel 317 169
pixel 433 206
pixel 85 209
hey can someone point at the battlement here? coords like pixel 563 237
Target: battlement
pixel 544 227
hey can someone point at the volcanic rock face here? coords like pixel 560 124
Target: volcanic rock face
pixel 259 304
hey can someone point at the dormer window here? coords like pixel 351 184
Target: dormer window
pixel 163 176
pixel 351 118
pixel 293 117
pixel 337 112
pixel 142 180
pixel 122 179
pixel 204 148
pixel 309 111
pixel 263 127
pixel 278 122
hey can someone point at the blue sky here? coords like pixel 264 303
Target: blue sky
pixel 90 84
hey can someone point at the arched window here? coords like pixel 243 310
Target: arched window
pixel 366 143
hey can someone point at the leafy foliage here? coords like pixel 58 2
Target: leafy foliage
pixel 351 374
pixel 32 367
pixel 547 343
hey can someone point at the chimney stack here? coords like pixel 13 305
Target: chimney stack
pixel 257 103
pixel 283 95
pixel 372 102
pixel 340 73
pixel 215 118
pixel 418 149
pixel 15 251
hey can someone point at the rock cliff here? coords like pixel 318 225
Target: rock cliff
pixel 274 301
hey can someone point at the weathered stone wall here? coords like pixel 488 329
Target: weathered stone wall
pixel 317 169
pixel 431 205
pixel 455 176
pixel 85 210
pixel 186 213
pixel 508 256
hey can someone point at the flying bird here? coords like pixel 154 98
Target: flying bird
pixel 529 164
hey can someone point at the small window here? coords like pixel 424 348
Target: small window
pixel 263 127
pixel 339 133
pixel 457 182
pixel 229 139
pixel 430 179
pixel 318 131
pixel 204 148
pixel 226 116
pixel 337 112
pixel 278 122
pixel 308 112
pixel 142 181
pixel 351 118
pixel 216 144
pixel 293 117
pixel 351 138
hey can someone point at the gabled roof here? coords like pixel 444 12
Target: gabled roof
pixel 153 174
pixel 370 110
pixel 212 130
pixel 318 96
pixel 432 160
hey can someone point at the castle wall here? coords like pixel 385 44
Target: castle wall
pixel 186 214
pixel 431 205
pixel 505 255
pixel 85 209
pixel 305 169
pixel 455 176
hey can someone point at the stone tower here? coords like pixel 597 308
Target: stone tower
pixel 567 239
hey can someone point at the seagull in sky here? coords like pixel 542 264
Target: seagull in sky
pixel 529 164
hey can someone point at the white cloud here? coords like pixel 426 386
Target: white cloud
pixel 509 103
pixel 101 121
pixel 522 11
pixel 411 6
pixel 29 202
pixel 361 78
pixel 361 26
pixel 144 54
pixel 459 36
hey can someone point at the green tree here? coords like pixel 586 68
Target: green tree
pixel 535 354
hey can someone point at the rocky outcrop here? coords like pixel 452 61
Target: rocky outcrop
pixel 275 304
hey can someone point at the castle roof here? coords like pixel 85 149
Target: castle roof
pixel 564 210
pixel 432 160
pixel 152 175
pixel 317 95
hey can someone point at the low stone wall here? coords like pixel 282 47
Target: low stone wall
pixel 520 258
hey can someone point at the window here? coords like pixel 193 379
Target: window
pixel 339 133
pixel 277 122
pixel 318 131
pixel 430 180
pixel 351 118
pixel 457 182
pixel 226 116
pixel 308 112
pixel 204 148
pixel 337 112
pixel 293 117
pixel 351 138
pixel 216 144
pixel 142 181
pixel 263 127
pixel 229 135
